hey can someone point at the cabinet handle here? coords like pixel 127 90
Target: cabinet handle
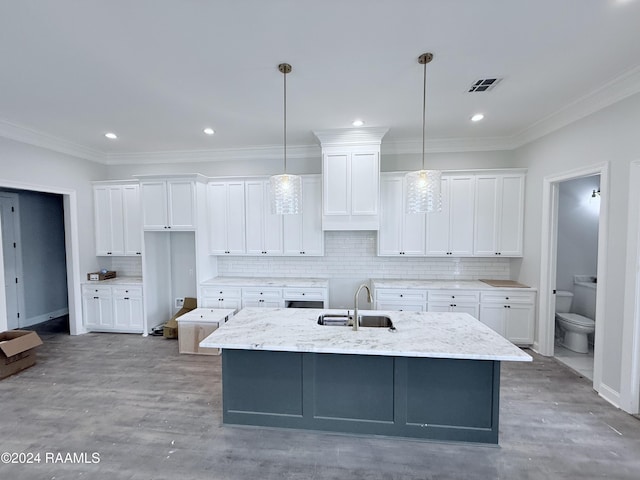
pixel 138 253
pixel 96 298
pixel 303 293
pixel 126 298
pixel 453 296
pixel 506 298
pixel 401 295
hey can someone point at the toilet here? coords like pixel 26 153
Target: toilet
pixel 576 328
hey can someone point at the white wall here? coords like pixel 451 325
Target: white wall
pixel 578 215
pixel 609 135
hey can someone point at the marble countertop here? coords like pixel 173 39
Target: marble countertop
pixel 115 281
pixel 440 284
pixel 267 282
pixel 418 334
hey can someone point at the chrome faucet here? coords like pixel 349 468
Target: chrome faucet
pixel 355 312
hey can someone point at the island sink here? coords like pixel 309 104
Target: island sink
pixel 371 321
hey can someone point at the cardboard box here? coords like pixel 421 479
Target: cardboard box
pixel 17 351
pixel 170 329
pixel 101 276
pixel 197 325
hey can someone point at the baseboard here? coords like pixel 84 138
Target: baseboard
pixel 610 395
pixel 44 317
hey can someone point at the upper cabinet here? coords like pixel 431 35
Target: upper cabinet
pixel 225 207
pixel 117 219
pixel 351 178
pixel 303 233
pixel 263 228
pixel 499 212
pixel 169 204
pixel 450 231
pixel 400 233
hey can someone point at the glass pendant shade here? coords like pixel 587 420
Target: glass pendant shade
pixel 285 192
pixel 423 191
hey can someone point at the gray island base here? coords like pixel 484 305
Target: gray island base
pixel 437 377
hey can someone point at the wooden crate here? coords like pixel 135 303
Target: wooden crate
pixel 101 276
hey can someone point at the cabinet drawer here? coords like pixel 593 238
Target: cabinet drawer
pixel 221 291
pixel 124 291
pixel 101 291
pixel 467 296
pixel 262 293
pixel 304 294
pixel 507 296
pixel 400 306
pixel 396 294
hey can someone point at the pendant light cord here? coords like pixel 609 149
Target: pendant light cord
pixel 285 122
pixel 424 109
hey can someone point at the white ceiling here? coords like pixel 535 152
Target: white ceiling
pixel 157 72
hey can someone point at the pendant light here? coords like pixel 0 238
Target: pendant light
pixel 424 186
pixel 285 190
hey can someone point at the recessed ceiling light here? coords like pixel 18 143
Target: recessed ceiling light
pixel 477 117
pixel 209 131
pixel 111 135
pixel 357 123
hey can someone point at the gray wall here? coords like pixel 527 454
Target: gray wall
pixel 578 215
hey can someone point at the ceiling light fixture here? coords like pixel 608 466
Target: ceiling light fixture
pixel 111 135
pixel 209 131
pixel 424 186
pixel 285 190
pixel 357 123
pixel 477 117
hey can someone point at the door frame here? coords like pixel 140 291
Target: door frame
pixel 630 368
pixel 548 258
pixel 18 252
pixel 72 248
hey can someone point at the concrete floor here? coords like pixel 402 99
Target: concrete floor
pixel 151 413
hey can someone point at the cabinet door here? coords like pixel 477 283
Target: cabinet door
pixel 102 204
pixel 264 229
pixel 391 215
pixel 225 207
pixel 91 311
pixel 461 213
pixel 486 227
pixel 121 313
pixel 493 316
pixel 511 215
pixel 182 204
pixel 439 307
pixel 365 181
pixel 132 220
pixel 235 226
pixel 401 307
pixel 303 234
pixel 519 323
pixel 154 205
pixel 472 310
pixel 438 224
pixel 336 185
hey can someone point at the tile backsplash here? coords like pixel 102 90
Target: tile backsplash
pixel 125 266
pixel 354 254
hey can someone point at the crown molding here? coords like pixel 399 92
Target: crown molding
pixel 39 139
pixel 617 89
pixel 351 136
pixel 218 155
pixel 448 145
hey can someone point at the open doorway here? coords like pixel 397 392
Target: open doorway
pixel 576 272
pixel 34 255
pixel 551 228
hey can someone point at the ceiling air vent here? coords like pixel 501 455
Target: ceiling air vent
pixel 484 85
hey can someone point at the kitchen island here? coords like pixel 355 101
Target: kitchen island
pixel 435 376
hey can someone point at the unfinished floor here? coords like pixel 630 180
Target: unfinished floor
pixel 151 413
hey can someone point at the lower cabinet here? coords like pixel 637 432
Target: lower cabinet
pixel 465 301
pixel 511 314
pixel 267 297
pixel 401 299
pixel 221 297
pixel 113 308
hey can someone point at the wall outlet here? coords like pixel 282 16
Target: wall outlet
pixel 179 302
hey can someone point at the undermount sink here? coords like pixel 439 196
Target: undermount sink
pixel 367 321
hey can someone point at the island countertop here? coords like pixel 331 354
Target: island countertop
pixel 417 334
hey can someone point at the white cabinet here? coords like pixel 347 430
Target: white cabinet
pixel 225 214
pixel 450 231
pixel 499 212
pixel 113 308
pixel 262 297
pixel 509 313
pixel 263 228
pixel 303 234
pixel 299 296
pixel 403 299
pixel 466 301
pixel 168 204
pixel 351 184
pixel 400 233
pixel 221 297
pixel 117 219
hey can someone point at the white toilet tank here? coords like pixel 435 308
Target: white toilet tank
pixel 563 301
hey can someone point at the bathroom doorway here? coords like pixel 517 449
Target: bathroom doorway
pixel 576 272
